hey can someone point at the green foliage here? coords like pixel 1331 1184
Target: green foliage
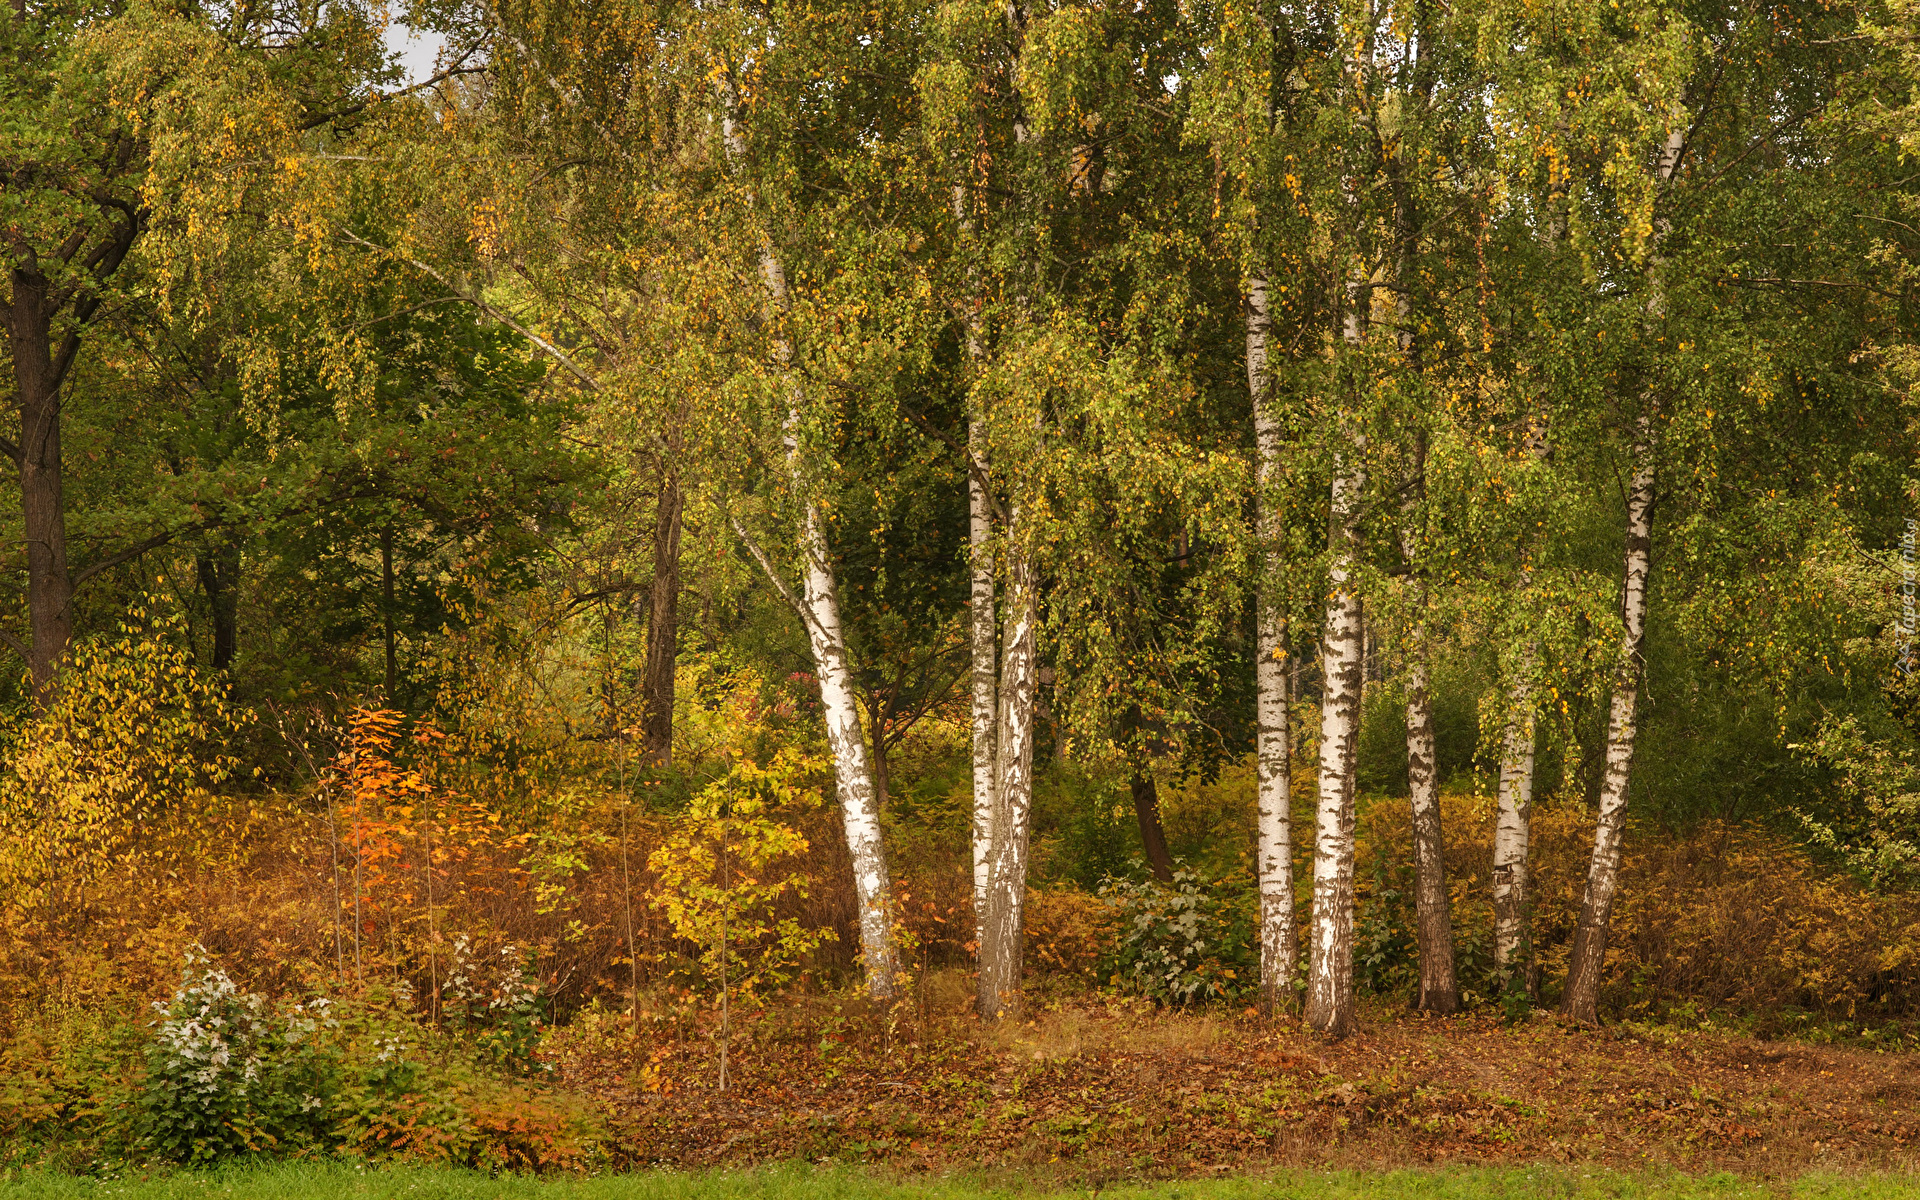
pixel 1189 943
pixel 227 1076
pixel 1385 959
pixel 727 863
pixel 496 1004
pixel 225 1073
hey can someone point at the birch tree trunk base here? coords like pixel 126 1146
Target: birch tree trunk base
pixel 1003 937
pixel 1439 991
pixel 1588 959
pixel 1512 935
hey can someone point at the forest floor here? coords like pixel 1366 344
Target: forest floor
pixel 1092 1092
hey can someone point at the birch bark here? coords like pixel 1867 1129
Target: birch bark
pixel 820 612
pixel 1512 946
pixel 1587 959
pixel 983 643
pixel 1003 933
pixel 1513 821
pixel 1433 920
pixel 986 688
pixel 1272 674
pixel 1330 966
pixel 1588 956
pixel 1001 948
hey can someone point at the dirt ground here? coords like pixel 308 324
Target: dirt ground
pixel 1089 1090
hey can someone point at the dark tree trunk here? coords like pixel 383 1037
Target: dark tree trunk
pixel 37 378
pixel 386 607
pixel 1153 838
pixel 880 770
pixel 1146 797
pixel 663 626
pixel 219 570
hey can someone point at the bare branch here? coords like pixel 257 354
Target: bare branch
pixel 773 576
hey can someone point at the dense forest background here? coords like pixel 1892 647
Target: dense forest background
pixel 1231 502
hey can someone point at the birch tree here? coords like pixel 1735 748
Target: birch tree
pixel 818 601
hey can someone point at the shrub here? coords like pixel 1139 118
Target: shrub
pixel 1187 943
pixel 1068 931
pixel 495 1004
pixel 226 1075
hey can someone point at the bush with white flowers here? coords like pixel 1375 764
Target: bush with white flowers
pixel 227 1075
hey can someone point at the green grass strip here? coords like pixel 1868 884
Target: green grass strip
pixel 333 1181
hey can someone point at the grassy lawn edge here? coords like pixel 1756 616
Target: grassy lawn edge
pixel 348 1181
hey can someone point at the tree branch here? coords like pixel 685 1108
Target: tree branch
pixel 453 69
pixel 773 577
pixel 115 559
pixel 14 644
pixel 974 468
pixel 553 351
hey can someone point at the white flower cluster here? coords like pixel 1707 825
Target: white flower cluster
pixel 470 988
pixel 211 1034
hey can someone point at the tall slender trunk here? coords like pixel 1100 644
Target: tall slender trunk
pixel 1433 920
pixel 1512 933
pixel 1146 813
pixel 386 610
pixel 1513 823
pixel 853 774
pixel 219 570
pixel 1439 991
pixel 1001 949
pixel 1273 752
pixel 986 671
pixel 1146 799
pixel 820 611
pixel 1588 957
pixel 43 511
pixel 1330 965
pixel 663 624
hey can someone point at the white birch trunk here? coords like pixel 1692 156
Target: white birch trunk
pixel 985 671
pixel 1433 919
pixel 1513 820
pixel 1001 948
pixel 1512 949
pixel 1587 959
pixel 852 767
pixel 1330 953
pixel 1272 674
pixel 981 622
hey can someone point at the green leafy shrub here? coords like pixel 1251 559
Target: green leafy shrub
pixel 226 1075
pixel 495 1001
pixel 1386 958
pixel 1187 943
pixel 70 1082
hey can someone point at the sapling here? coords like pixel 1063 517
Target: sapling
pixel 721 876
